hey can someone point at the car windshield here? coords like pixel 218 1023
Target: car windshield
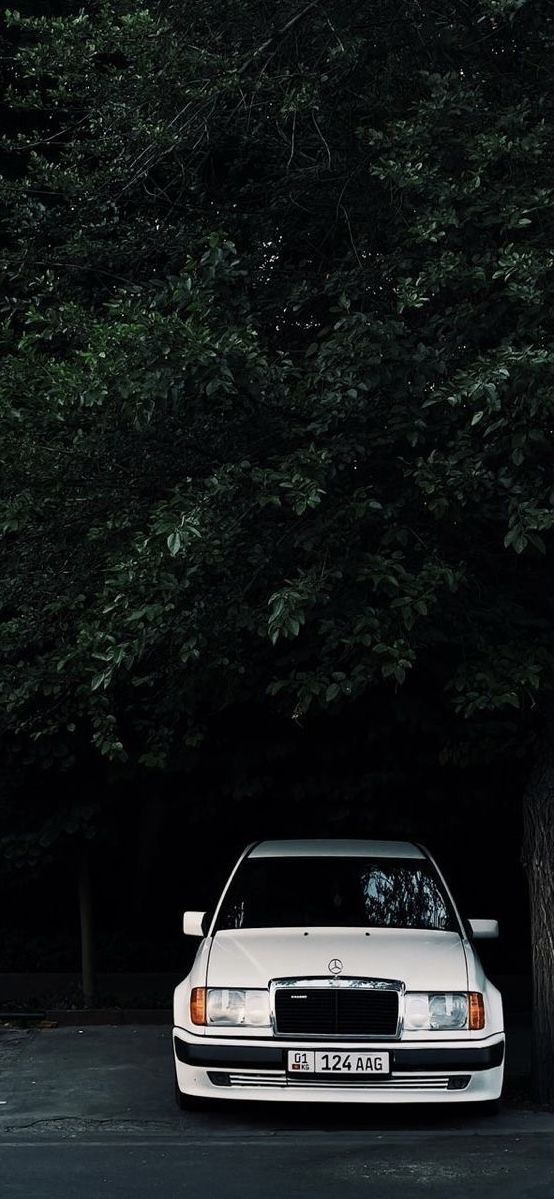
pixel 336 892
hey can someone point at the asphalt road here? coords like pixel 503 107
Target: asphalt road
pixel 89 1113
pixel 238 1169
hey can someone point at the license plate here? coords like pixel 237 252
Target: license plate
pixel 322 1061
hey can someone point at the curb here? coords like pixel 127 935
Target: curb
pixel 63 1018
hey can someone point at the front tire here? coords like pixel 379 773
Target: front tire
pixel 187 1103
pixel 489 1107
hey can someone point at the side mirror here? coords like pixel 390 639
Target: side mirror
pixel 193 924
pixel 483 930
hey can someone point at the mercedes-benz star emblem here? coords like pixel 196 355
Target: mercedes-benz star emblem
pixel 335 966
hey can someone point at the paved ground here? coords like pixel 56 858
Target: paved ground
pixel 458 1170
pixel 89 1113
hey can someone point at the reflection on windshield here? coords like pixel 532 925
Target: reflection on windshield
pixel 400 897
pixel 336 892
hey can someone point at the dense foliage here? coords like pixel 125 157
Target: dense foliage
pixel 276 391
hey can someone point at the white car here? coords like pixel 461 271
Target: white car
pixel 338 971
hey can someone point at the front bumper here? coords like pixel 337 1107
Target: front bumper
pixel 449 1072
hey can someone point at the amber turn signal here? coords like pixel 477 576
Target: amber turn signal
pixel 476 1011
pixel 198 1005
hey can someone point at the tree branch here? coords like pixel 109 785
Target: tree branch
pixel 279 33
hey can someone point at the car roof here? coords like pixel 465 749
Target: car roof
pixel 336 848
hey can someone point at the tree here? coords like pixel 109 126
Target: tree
pixel 55 831
pixel 278 363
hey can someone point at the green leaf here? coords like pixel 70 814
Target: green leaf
pixel 174 543
pixel 537 541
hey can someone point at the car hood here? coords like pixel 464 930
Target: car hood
pixel 422 960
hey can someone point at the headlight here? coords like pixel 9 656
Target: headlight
pixel 226 1005
pixel 436 1011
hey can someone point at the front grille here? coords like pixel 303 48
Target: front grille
pixel 347 1012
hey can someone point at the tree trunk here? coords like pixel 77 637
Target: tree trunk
pixel 87 941
pixel 538 860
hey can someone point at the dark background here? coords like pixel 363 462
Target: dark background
pixel 164 844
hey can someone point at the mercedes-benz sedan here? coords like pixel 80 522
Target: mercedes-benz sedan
pixel 338 971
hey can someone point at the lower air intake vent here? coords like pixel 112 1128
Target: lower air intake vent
pixel 408 1083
